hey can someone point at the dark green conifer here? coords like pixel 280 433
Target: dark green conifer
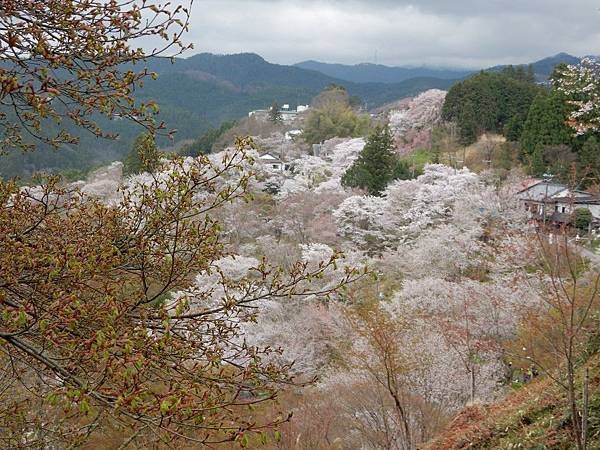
pixel 546 123
pixel 377 164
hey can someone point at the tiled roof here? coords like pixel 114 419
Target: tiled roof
pixel 591 200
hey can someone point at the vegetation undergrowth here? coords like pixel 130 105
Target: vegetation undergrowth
pixel 534 416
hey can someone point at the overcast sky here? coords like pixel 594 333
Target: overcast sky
pixel 461 33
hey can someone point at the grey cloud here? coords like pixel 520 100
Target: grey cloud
pixel 466 33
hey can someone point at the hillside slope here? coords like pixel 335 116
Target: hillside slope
pixel 533 417
pixel 205 90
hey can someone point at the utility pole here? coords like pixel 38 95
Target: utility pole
pixel 547 178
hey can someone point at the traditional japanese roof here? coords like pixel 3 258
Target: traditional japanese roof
pixel 269 158
pixel 527 183
pixel 547 189
pixel 583 200
pixel 571 194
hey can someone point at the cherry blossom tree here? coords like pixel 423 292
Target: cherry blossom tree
pixel 359 218
pixel 306 217
pixel 467 321
pixel 581 84
pixel 412 122
pixel 441 195
pixel 423 111
pixel 322 173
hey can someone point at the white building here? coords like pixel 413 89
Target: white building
pixel 273 163
pixel 287 114
pixel 564 207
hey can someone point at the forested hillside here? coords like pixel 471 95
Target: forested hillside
pixel 489 102
pixel 543 68
pixel 203 91
pixel 221 87
pixel 534 119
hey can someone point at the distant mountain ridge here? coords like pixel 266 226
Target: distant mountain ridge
pixel 378 73
pixel 367 73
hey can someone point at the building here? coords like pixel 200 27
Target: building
pixel 556 202
pixel 534 196
pixel 273 163
pixel 564 207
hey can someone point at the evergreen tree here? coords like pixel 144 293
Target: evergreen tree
pixel 582 218
pixel 537 166
pixel 530 73
pixel 204 144
pixel 589 162
pixel 520 73
pixel 469 128
pixel 560 160
pixel 274 113
pixel 377 164
pixel 546 123
pixel 143 157
pixel 514 128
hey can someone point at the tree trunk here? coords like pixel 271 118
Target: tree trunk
pixel 472 384
pixel 573 406
pixel 584 415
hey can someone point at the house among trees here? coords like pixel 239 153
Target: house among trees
pixel 273 162
pixel 566 207
pixel 287 114
pixel 557 203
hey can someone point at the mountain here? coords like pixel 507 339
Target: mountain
pixel 225 87
pixel 377 73
pixel 366 73
pixel 215 88
pixel 205 90
pixel 544 67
